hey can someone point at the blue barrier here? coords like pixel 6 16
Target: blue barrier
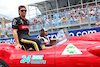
pixel 53 35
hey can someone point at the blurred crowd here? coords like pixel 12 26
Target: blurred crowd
pixel 64 17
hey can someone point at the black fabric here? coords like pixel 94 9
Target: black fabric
pixel 16 23
pixel 23 30
pixel 30 45
pixel 43 42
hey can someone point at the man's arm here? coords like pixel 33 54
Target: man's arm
pixel 44 47
pixel 53 41
pixel 15 35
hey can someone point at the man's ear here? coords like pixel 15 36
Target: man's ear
pixel 19 12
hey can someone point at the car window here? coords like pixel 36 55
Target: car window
pixel 62 36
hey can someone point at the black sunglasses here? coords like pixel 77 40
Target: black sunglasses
pixel 23 10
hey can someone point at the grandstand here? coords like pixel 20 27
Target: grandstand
pixel 58 14
pixel 70 14
pixel 5 25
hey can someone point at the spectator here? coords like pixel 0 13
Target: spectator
pixel 47 21
pixel 71 19
pixel 53 23
pixel 98 10
pixel 97 24
pixel 81 17
pixel 76 19
pixel 63 21
pixel 59 20
pixel 92 13
pixel 67 20
pixel 97 17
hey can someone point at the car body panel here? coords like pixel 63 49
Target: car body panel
pixel 86 59
pixel 88 37
pixel 21 58
pixel 84 51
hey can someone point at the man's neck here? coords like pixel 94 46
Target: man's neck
pixel 23 17
pixel 45 36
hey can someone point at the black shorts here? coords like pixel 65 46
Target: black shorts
pixel 31 42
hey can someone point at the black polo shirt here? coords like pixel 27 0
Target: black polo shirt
pixel 22 26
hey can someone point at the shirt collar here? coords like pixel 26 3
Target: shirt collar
pixel 22 18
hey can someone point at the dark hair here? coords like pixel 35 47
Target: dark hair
pixel 42 29
pixel 42 32
pixel 21 6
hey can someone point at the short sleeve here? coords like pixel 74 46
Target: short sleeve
pixel 15 23
pixel 42 41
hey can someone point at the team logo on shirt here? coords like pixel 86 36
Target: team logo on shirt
pixel 23 27
pixel 14 22
pixel 21 21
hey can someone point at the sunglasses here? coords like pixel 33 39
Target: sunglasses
pixel 23 10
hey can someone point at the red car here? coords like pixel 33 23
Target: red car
pixel 88 37
pixel 67 52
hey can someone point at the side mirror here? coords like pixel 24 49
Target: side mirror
pixel 94 50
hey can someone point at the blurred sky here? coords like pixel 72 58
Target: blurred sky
pixel 9 8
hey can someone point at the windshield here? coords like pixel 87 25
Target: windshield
pixel 62 36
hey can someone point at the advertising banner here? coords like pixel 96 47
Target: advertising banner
pixel 53 35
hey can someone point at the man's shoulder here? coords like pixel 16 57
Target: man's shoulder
pixel 27 20
pixel 41 39
pixel 16 17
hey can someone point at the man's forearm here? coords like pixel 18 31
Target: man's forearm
pixel 47 47
pixel 15 35
pixel 44 47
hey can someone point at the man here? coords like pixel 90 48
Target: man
pixel 46 41
pixel 20 26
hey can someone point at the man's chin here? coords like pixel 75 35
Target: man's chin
pixel 23 15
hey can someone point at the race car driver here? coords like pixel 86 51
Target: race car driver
pixel 46 41
pixel 20 26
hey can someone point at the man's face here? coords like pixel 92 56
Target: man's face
pixel 22 12
pixel 45 33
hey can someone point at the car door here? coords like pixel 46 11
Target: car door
pixel 43 58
